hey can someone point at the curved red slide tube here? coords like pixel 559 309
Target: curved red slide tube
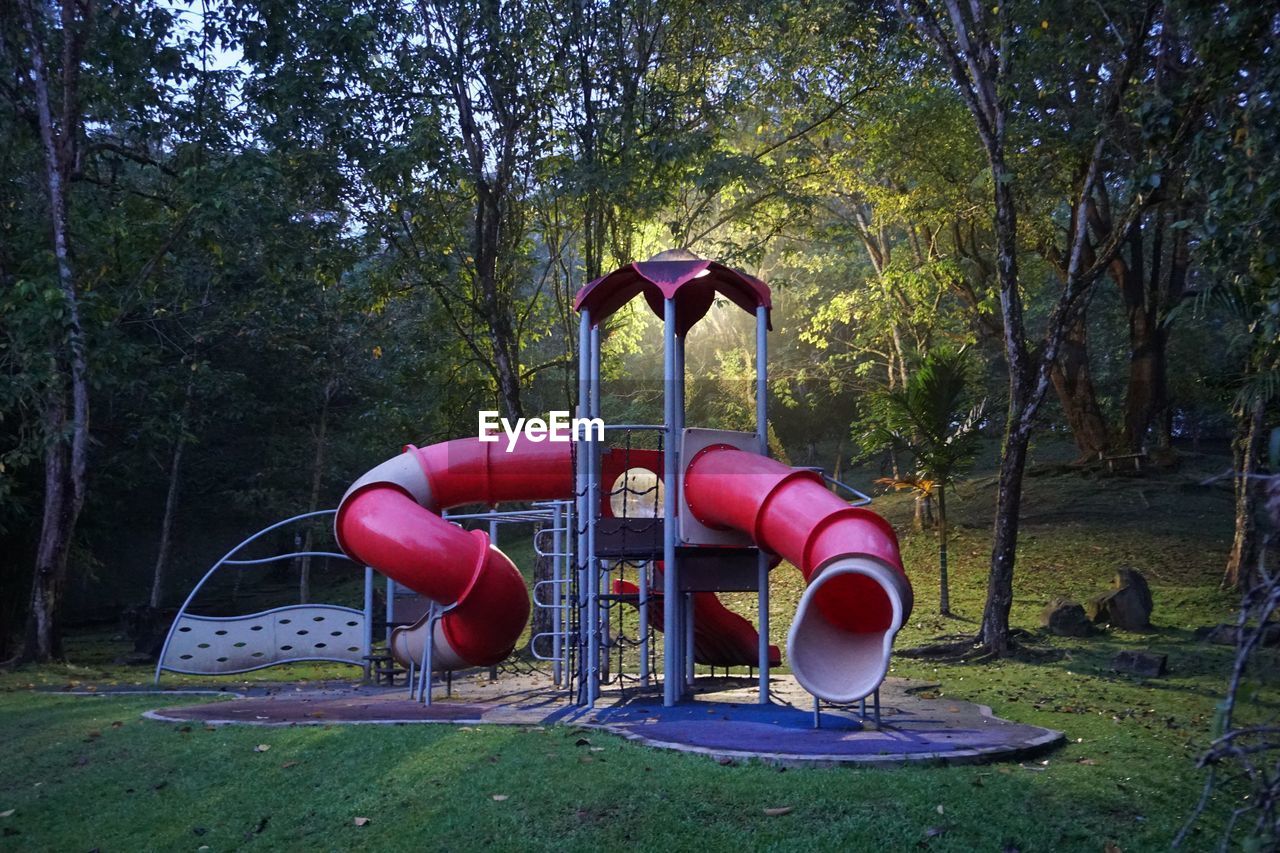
pixel 858 595
pixel 389 520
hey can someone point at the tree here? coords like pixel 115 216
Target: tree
pixel 936 420
pixel 976 44
pixel 65 413
pixel 1237 175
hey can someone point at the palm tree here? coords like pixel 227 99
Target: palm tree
pixel 935 419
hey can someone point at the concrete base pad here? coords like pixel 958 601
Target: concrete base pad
pixel 723 720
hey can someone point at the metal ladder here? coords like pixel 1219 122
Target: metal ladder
pixel 553 594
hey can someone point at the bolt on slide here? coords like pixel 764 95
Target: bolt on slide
pixel 857 597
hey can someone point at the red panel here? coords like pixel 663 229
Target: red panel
pixel 692 283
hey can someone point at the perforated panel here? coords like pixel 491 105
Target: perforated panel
pixel 214 645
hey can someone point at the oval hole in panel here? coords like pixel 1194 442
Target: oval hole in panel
pixel 184 630
pixel 222 660
pixel 256 628
pixel 303 632
pixel 317 618
pixel 184 657
pixel 256 655
pixel 319 645
pixel 202 645
pixel 221 632
pixel 240 645
pixel 286 648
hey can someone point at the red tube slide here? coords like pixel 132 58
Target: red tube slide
pixel 858 594
pixel 389 520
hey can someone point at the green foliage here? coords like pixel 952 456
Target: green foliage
pixel 935 418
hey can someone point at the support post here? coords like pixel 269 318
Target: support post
pixel 672 658
pixel 390 608
pixel 762 432
pixel 493 540
pixel 368 624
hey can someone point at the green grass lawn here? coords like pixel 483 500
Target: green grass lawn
pixel 86 772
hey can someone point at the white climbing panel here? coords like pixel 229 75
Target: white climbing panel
pixel 216 645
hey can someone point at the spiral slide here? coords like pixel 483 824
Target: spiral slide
pixel 857 596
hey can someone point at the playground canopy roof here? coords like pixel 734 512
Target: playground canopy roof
pixel 692 281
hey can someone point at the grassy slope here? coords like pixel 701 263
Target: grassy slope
pixel 1127 774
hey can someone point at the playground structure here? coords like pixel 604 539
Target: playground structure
pixel 650 522
pixel 721 514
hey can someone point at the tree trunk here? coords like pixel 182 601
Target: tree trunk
pixel 166 523
pixel 1073 381
pixel 1147 395
pixel 923 518
pixel 994 633
pixel 66 456
pixel 313 502
pixel 944 586
pixel 1242 562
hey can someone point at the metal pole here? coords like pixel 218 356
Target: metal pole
pixel 493 540
pixel 642 578
pixel 762 432
pixel 690 668
pixel 391 607
pixel 686 604
pixel 428 653
pixel 672 682
pixel 368 623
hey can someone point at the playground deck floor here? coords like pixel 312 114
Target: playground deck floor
pixel 723 720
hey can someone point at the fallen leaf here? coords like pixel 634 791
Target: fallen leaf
pixel 497 798
pixel 597 749
pixel 939 810
pixel 95 733
pixel 288 764
pixel 8 813
pixel 361 821
pixel 779 811
pixel 117 724
pixel 262 747
pixel 1088 761
pixel 1111 847
pixel 725 761
pixel 934 831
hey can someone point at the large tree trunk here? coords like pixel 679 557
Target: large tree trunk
pixel 1148 393
pixel 994 633
pixel 1243 560
pixel 67 452
pixel 1073 381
